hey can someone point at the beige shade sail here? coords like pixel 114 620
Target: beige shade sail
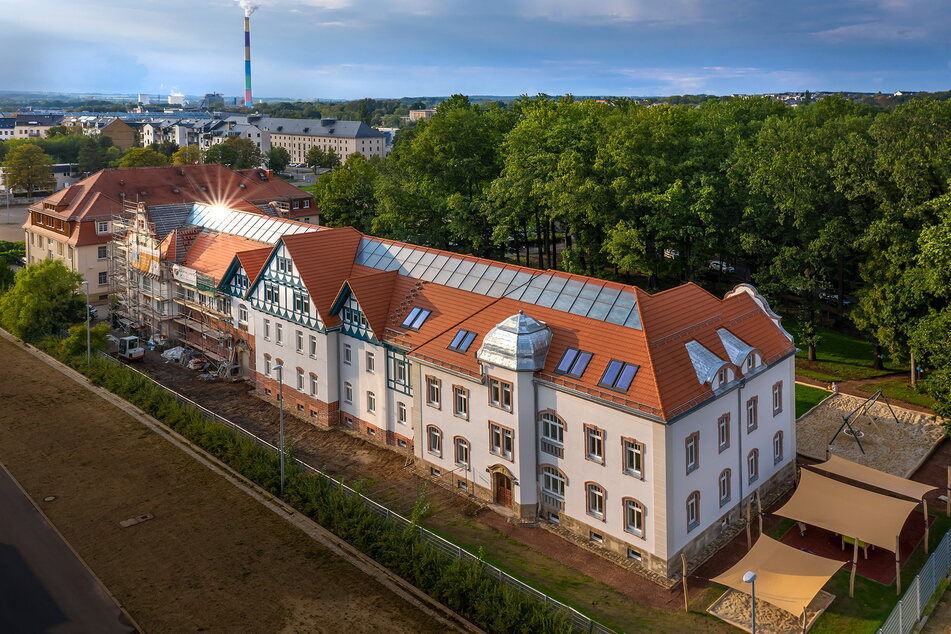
pixel 785 576
pixel 842 508
pixel 873 477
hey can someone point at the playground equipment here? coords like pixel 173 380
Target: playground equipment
pixel 856 413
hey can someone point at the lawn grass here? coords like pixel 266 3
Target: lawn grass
pixel 572 587
pixel 808 397
pixel 873 602
pixel 900 390
pixel 841 357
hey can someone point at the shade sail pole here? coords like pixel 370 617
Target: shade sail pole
pixel 683 568
pixel 897 567
pixel 855 564
pixel 924 505
pixel 749 539
pixel 759 511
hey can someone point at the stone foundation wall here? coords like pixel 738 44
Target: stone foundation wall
pixel 299 405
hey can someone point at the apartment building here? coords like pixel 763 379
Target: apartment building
pixel 298 136
pixel 641 424
pixel 76 224
pixel 34 126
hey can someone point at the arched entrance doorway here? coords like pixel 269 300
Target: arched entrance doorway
pixel 502 482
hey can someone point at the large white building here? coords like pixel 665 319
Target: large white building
pixel 639 423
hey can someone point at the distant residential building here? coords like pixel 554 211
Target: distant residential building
pixel 423 113
pixel 7 127
pixel 34 126
pixel 298 136
pixel 123 135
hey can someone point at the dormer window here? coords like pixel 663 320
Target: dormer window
pixel 462 341
pixel 416 318
pixel 618 375
pixel 574 362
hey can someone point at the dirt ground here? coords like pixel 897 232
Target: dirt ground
pixel 896 448
pixel 734 607
pixel 212 559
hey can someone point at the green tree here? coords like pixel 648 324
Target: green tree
pixel 346 196
pixel 235 152
pixel 60 130
pixel 91 157
pixel 143 157
pixel 168 148
pixel 278 158
pixel 75 342
pixel 316 157
pixel 6 276
pixel 12 252
pixel 187 155
pixel 27 167
pixel 433 187
pixel 44 299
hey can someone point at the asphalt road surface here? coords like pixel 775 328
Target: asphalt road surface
pixel 44 587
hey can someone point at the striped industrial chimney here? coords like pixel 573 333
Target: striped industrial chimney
pixel 247 57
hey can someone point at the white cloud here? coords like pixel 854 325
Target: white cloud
pixel 872 31
pixel 613 11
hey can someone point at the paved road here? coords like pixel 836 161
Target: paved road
pixel 11 222
pixel 44 587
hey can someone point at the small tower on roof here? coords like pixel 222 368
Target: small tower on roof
pixel 519 343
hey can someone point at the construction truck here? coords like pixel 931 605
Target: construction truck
pixel 130 349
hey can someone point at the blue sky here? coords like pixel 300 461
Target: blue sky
pixel 395 48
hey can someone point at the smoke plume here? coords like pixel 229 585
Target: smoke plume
pixel 248 6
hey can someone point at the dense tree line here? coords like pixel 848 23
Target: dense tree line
pixel 830 199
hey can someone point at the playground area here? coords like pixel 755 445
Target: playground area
pixel 734 608
pixel 878 434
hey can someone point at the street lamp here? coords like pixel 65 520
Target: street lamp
pixel 750 578
pixel 88 315
pixel 279 368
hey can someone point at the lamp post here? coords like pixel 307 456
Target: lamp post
pixel 750 578
pixel 280 397
pixel 88 338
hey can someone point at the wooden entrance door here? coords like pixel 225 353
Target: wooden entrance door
pixel 503 490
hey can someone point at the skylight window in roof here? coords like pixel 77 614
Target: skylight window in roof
pixel 462 341
pixel 416 318
pixel 574 362
pixel 618 375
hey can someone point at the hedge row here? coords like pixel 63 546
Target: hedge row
pixel 463 585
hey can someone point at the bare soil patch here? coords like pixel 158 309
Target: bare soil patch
pixel 734 608
pixel 894 447
pixel 212 559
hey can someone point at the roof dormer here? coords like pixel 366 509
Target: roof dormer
pixel 742 355
pixel 711 369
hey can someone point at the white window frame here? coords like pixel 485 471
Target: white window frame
pixel 279 333
pixel 752 465
pixel 267 329
pixel 637 510
pixel 553 482
pixel 462 452
pixel 300 380
pixel 460 402
pixel 633 453
pixel 401 412
pixel 434 440
pixel 313 346
pixel 501 441
pixel 371 402
pixel 724 486
pixel 348 393
pixel 313 385
pixel 692 452
pixel 371 362
pixel 299 341
pixel 595 498
pixel 347 354
pixel 723 432
pixel 778 447
pixel 594 443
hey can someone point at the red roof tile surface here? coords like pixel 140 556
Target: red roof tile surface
pixel 212 253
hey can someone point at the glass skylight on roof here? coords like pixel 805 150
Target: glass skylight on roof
pixel 462 341
pixel 618 375
pixel 574 362
pixel 586 298
pixel 416 318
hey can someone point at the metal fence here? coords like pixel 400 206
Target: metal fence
pixel 578 620
pixel 907 612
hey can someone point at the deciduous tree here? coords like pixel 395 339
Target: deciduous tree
pixel 143 157
pixel 28 168
pixel 44 299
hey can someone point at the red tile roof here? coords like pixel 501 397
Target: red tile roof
pixel 212 253
pixel 666 384
pixel 253 261
pixel 103 194
pixel 323 260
